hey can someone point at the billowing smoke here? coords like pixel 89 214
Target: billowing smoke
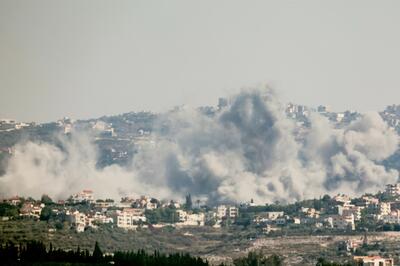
pixel 247 150
pixel 38 168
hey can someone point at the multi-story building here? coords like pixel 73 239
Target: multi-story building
pixel 30 209
pixel 191 219
pixel 343 222
pixel 181 215
pixel 224 211
pixel 384 208
pixel 310 212
pixel 128 218
pixel 342 198
pixel 369 201
pixel 233 212
pixel 77 217
pixel 393 189
pixel 265 217
pixel 101 204
pixel 392 218
pixel 348 209
pixel 83 196
pixel 101 218
pixel 221 211
pixel 14 200
pixel 78 220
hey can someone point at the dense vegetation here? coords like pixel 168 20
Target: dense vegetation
pixel 7 210
pixel 258 259
pixel 35 252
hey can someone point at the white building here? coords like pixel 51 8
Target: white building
pixel 101 204
pixel 194 219
pixel 373 261
pixel 190 219
pixel 392 218
pixel 342 198
pixel 338 117
pixel 181 215
pixel 296 220
pixel 384 208
pixel 224 211
pixel 104 128
pixel 77 217
pixel 151 205
pixel 128 218
pixel 310 212
pixel 101 218
pixel 343 222
pixel 221 211
pixel 350 209
pixel 83 196
pixel 78 220
pixel 393 189
pixel 13 200
pixel 30 209
pixel 80 228
pixel 369 200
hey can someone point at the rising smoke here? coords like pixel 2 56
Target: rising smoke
pixel 247 150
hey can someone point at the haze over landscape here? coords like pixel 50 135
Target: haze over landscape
pixel 176 132
pixel 248 148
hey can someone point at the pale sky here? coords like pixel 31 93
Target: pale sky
pixel 85 59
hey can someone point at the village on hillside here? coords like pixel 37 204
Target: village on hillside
pixel 340 214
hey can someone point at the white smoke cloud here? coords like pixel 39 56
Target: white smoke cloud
pixel 38 168
pixel 248 150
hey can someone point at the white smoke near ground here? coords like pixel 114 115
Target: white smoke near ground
pixel 42 168
pixel 247 150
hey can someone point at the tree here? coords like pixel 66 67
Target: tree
pixel 97 253
pixel 153 200
pixel 189 203
pixel 244 219
pixel 46 200
pixel 254 258
pixel 8 210
pixel 326 198
pixel 46 213
pixel 59 225
pixel 198 203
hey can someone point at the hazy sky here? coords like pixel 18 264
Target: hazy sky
pixel 89 58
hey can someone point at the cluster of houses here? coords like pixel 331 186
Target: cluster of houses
pixel 128 214
pixel 301 113
pixel 7 125
pixel 345 217
pixel 131 213
pixel 392 116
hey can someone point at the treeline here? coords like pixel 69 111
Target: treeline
pixel 258 259
pixel 36 253
pixel 8 210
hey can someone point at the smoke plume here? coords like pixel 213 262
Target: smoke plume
pixel 247 150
